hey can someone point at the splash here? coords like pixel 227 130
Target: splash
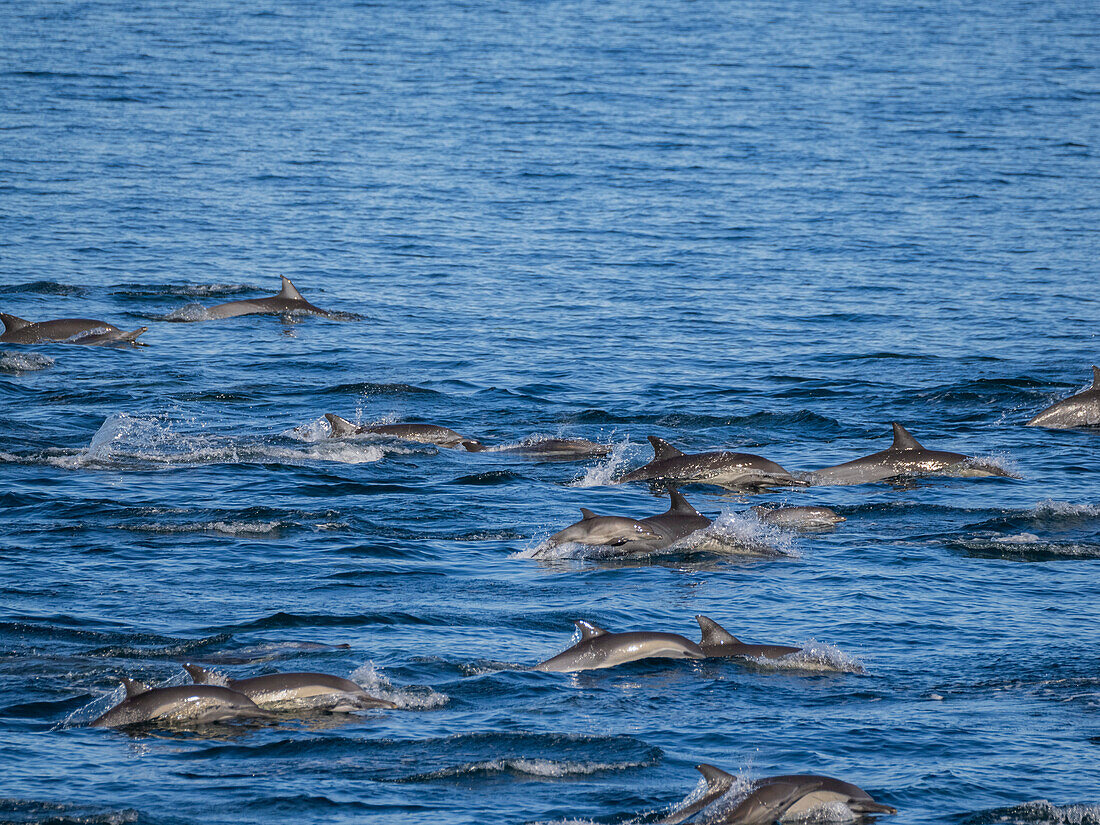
pixel 1039 812
pixel 814 656
pixel 550 768
pixel 741 534
pixel 603 473
pixel 17 362
pixel 373 682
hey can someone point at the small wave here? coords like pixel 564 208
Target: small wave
pixel 183 290
pixel 1040 811
pixel 407 698
pixel 44 288
pixel 1026 546
pixel 34 812
pixel 16 362
pixel 1063 509
pixel 225 528
pixel 603 473
pixel 814 655
pixel 187 313
pixel 528 767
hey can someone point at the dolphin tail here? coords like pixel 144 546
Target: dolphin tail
pixel 340 426
pixel 289 291
pixel 714 633
pixel 13 322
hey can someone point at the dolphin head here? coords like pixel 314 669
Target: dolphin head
pixel 603 530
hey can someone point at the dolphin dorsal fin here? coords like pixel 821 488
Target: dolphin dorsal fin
pixel 679 503
pixel 340 426
pixel 289 292
pixel 587 514
pixel 1096 378
pixel 662 449
pixel 717 778
pixel 714 633
pixel 200 675
pixel 134 687
pixel 902 439
pixel 589 630
pixel 13 322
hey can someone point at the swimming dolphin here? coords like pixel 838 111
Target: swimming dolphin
pixel 717 642
pixel 423 433
pixel 905 457
pixel 65 331
pixel 285 691
pixel 192 704
pixel 549 448
pixel 764 804
pixel 799 518
pixel 718 784
pixel 289 300
pixel 736 470
pixel 831 790
pixel 1080 410
pixel 599 648
pixel 642 535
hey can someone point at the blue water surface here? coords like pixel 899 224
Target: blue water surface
pixel 763 226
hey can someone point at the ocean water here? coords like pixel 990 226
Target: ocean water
pixel 763 226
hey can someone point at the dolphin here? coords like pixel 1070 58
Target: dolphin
pixel 286 691
pixel 599 648
pixel 642 535
pixel 718 784
pixel 191 704
pixel 722 469
pixel 423 433
pixel 857 800
pixel 905 457
pixel 764 804
pixel 289 300
pixel 65 331
pixel 799 518
pixel 1080 410
pixel 548 448
pixel 717 642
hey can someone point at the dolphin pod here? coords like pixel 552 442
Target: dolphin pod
pixel 721 469
pixel 642 535
pixel 187 704
pixel 773 798
pixel 64 331
pixel 1080 410
pixel 291 691
pixel 905 457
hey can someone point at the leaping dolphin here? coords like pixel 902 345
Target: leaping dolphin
pixel 1080 410
pixel 288 691
pixel 799 518
pixel 548 448
pixel 722 469
pixel 423 433
pixel 642 535
pixel 857 800
pixel 65 331
pixel 289 300
pixel 599 648
pixel 905 457
pixel 764 804
pixel 717 642
pixel 188 704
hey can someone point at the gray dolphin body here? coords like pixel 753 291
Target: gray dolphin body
pixel 1080 410
pixel 188 704
pixel 764 804
pixel 289 300
pixel 722 469
pixel 905 457
pixel 857 800
pixel 295 691
pixel 717 642
pixel 65 331
pixel 423 433
pixel 799 518
pixel 599 648
pixel 549 448
pixel 636 536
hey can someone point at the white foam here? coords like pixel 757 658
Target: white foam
pixel 742 534
pixel 603 473
pixel 1050 507
pixel 373 682
pixel 814 655
pixel 1043 811
pixel 189 312
pixel 24 361
pixel 229 528
pixel 533 767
